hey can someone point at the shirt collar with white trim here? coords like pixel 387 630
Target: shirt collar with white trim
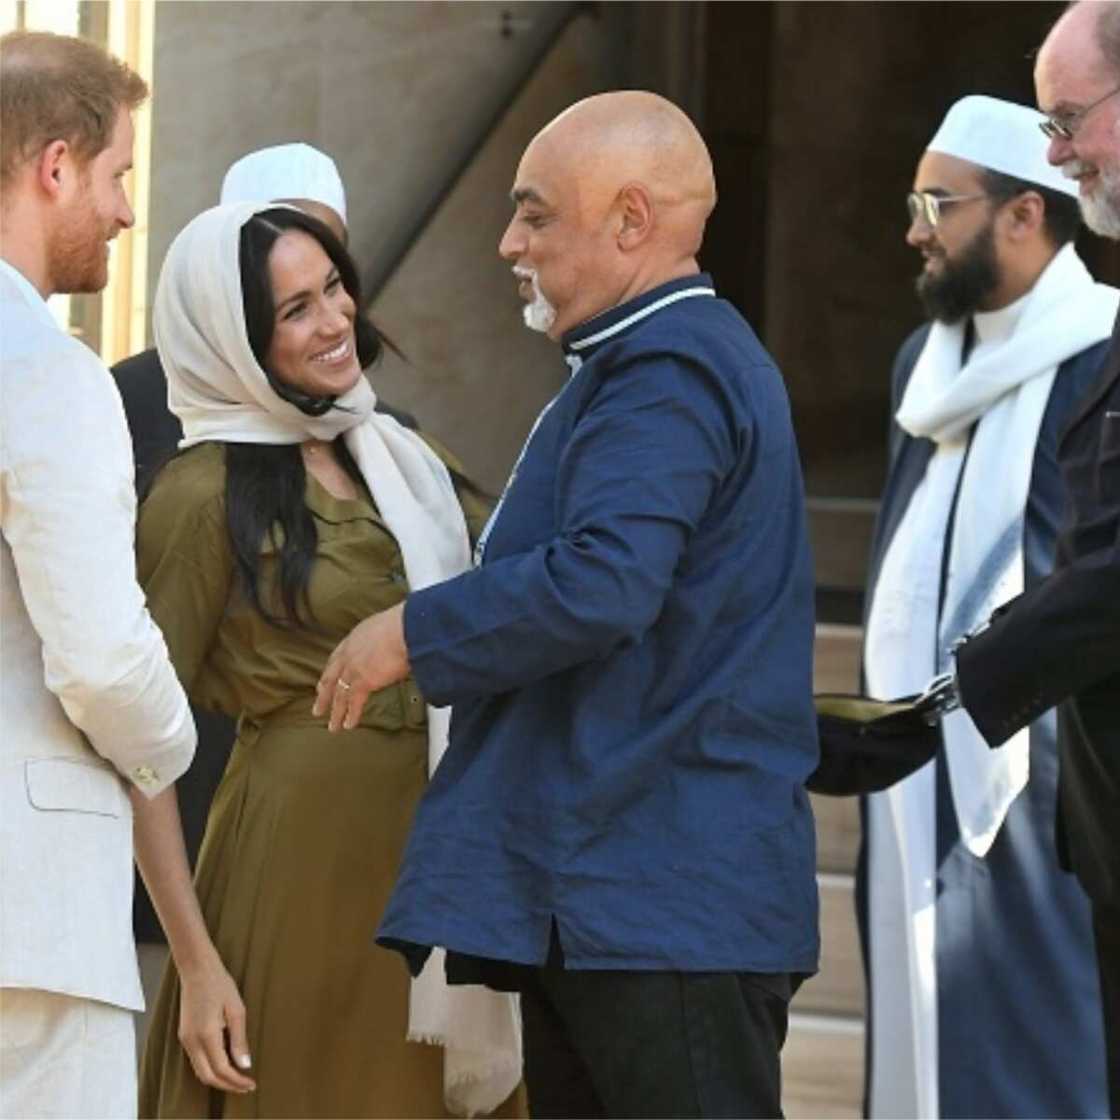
pixel 581 341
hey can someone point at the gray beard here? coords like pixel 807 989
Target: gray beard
pixel 1101 210
pixel 540 314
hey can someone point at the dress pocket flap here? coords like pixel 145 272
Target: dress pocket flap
pixel 81 787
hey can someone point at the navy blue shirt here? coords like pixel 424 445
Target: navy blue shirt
pixel 630 669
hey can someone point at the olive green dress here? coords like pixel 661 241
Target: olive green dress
pixel 307 829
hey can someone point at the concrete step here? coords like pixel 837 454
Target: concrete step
pixel 822 1068
pixel 836 658
pixel 838 988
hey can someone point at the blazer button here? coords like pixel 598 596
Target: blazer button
pixel 144 775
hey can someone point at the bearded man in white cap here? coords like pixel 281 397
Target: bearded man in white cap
pixel 982 982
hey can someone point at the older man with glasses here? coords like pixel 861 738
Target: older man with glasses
pixel 982 981
pixel 1059 643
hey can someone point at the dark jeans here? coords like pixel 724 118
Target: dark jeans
pixel 653 1044
pixel 1106 932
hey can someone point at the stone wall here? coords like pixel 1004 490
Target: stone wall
pixel 399 94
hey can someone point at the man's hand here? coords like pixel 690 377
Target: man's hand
pixel 372 656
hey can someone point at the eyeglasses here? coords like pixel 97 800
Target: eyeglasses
pixel 926 207
pixel 1064 126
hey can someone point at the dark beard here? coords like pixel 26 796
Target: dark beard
pixel 963 283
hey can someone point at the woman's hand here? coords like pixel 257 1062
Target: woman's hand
pixel 210 1006
pixel 209 1002
pixel 372 656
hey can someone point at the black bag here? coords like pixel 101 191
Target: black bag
pixel 868 745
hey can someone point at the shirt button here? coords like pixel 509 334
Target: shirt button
pixel 414 699
pixel 144 775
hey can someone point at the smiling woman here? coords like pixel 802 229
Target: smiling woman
pixel 294 511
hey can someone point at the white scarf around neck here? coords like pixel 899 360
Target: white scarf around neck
pixel 220 393
pixel 1004 391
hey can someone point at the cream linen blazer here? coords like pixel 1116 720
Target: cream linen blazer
pixel 88 698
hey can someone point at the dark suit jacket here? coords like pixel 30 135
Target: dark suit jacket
pixel 1060 643
pixel 155 436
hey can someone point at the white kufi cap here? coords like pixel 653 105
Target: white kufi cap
pixel 286 171
pixel 1002 136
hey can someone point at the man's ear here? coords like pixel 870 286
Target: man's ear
pixel 1025 215
pixel 54 167
pixel 635 216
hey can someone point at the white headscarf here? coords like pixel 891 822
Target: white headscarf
pixel 219 392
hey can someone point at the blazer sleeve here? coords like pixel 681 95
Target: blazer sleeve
pixel 68 514
pixel 1059 638
pixel 636 477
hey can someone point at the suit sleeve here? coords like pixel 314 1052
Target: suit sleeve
pixel 68 514
pixel 634 481
pixel 1059 638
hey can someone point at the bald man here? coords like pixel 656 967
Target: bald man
pixel 619 827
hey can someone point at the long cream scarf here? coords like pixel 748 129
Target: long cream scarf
pixel 219 392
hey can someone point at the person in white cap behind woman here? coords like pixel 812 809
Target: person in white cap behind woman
pixel 295 173
pixel 983 994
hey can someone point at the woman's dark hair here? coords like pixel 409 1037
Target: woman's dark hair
pixel 1062 215
pixel 265 483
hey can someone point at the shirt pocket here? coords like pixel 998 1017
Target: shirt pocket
pixel 68 785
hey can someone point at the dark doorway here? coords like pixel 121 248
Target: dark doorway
pixel 816 114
